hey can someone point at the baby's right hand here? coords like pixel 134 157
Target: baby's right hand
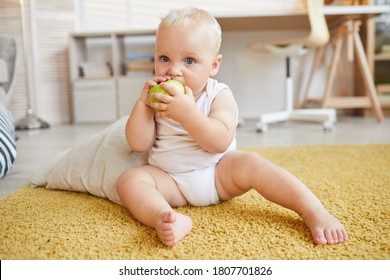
pixel 148 85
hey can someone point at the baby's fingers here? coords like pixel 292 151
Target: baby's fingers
pixel 162 97
pixel 159 79
pixel 159 106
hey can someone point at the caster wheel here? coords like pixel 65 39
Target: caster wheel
pixel 328 126
pixel 262 128
pixel 241 122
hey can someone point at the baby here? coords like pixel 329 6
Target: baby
pixel 191 141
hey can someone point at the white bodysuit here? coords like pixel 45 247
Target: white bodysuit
pixel 177 153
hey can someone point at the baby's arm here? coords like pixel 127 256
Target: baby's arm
pixel 140 127
pixel 215 132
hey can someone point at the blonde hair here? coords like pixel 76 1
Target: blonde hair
pixel 191 16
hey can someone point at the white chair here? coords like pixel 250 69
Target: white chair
pixel 8 66
pixel 318 35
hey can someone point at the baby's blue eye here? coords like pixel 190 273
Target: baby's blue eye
pixel 164 58
pixel 189 61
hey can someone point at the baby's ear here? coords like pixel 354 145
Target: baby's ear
pixel 215 66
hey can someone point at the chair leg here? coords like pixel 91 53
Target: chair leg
pixel 367 78
pixel 289 87
pixel 316 62
pixel 332 71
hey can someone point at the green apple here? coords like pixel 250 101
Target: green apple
pixel 157 88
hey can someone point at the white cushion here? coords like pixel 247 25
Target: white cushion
pixel 94 166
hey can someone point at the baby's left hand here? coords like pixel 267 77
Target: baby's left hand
pixel 177 106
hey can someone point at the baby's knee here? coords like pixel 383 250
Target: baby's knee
pixel 124 181
pixel 239 159
pixel 250 157
pixel 132 178
pixel 252 161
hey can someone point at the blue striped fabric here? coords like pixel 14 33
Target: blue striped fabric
pixel 7 140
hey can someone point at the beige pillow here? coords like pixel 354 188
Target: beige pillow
pixel 94 166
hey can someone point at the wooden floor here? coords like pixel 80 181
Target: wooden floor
pixel 36 146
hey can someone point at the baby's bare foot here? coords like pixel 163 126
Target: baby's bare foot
pixel 325 229
pixel 172 227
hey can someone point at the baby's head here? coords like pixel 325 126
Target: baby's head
pixel 191 16
pixel 187 47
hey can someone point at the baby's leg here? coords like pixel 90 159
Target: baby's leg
pixel 149 193
pixel 240 171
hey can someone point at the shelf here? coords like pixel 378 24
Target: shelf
pixel 382 56
pixel 106 99
pixel 116 33
pixel 382 20
pixel 384 97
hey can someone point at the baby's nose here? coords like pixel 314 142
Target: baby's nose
pixel 175 70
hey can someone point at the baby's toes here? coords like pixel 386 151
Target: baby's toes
pixel 319 237
pixel 329 236
pixel 342 235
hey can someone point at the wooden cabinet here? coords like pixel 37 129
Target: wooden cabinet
pixel 103 89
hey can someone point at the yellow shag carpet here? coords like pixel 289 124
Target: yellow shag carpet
pixel 352 181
